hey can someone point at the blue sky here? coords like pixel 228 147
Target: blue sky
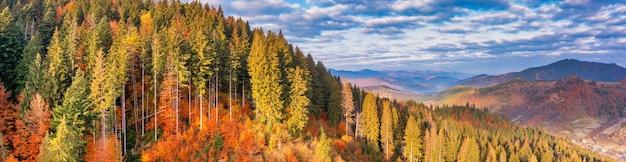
pixel 472 36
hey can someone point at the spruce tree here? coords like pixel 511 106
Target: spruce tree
pixel 413 140
pixel 297 110
pixel 264 79
pixel 371 120
pixel 386 130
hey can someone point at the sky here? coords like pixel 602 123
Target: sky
pixel 471 36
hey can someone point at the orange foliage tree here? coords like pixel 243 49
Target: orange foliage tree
pixel 8 117
pixel 32 129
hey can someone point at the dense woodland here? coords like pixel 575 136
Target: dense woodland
pixel 134 80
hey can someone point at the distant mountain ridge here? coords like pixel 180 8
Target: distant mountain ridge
pixel 557 70
pixel 416 81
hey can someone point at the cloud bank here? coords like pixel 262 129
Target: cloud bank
pixel 475 36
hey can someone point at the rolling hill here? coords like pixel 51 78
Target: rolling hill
pixel 557 70
pixel 589 112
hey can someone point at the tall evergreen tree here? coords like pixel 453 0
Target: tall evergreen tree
pixel 469 151
pixel 76 106
pixel 59 69
pixel 297 112
pixel 371 127
pixel 64 146
pixel 265 78
pixel 11 46
pixel 413 150
pixel 386 129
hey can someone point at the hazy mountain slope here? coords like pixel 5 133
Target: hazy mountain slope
pixel 573 107
pixel 415 81
pixel 586 70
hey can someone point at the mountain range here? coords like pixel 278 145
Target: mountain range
pixel 554 71
pixel 426 81
pixel 424 85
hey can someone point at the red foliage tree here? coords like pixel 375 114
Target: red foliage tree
pixel 32 129
pixel 8 117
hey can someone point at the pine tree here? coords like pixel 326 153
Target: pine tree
pixel 11 47
pixel 64 146
pixel 347 104
pixel 76 106
pixel 265 78
pixel 34 80
pixel 297 112
pixel 413 140
pixel 469 151
pixel 98 90
pixel 158 63
pixel 370 118
pixel 205 59
pixel 32 49
pixel 322 150
pixel 386 130
pixel 58 75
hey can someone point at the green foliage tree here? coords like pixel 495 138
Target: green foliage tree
pixel 297 112
pixel 469 151
pixel 11 46
pixel 64 146
pixel 413 140
pixel 371 127
pixel 76 106
pixel 322 150
pixel 386 129
pixel 58 75
pixel 264 79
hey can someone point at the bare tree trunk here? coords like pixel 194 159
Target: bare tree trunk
pixel 143 98
pixel 114 123
pixel 243 92
pixel 209 102
pixel 103 128
pixel 134 82
pixel 177 100
pixel 189 99
pixel 155 109
pixel 124 118
pixel 230 96
pixel 201 99
pixel 217 115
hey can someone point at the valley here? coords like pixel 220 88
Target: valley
pixel 582 101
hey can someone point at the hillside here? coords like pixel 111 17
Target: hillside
pixel 101 80
pixel 557 70
pixel 583 110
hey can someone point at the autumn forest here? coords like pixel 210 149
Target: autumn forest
pixel 134 80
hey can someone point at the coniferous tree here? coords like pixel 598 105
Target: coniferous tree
pixel 371 127
pixel 64 146
pixel 76 106
pixel 58 74
pixel 265 78
pixel 322 150
pixel 386 129
pixel 413 140
pixel 347 104
pixel 11 46
pixel 297 112
pixel 469 151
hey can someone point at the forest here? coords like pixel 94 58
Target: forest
pixel 135 80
